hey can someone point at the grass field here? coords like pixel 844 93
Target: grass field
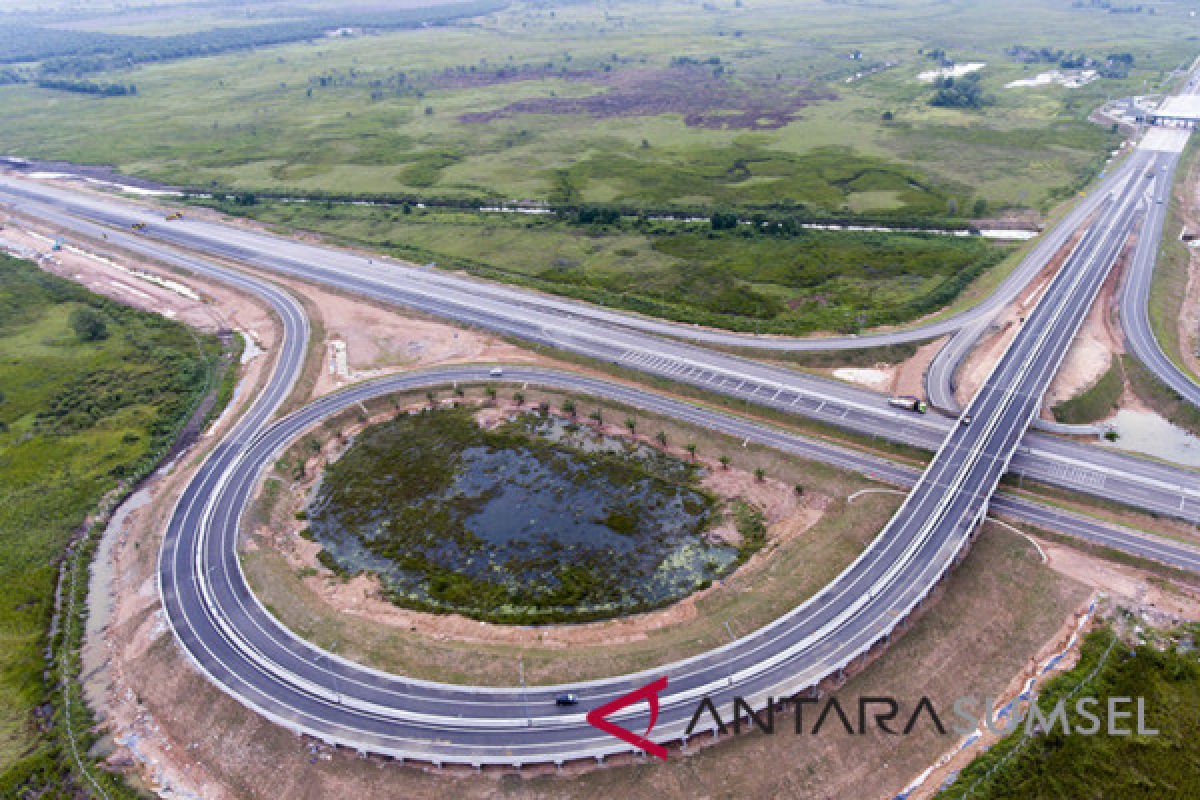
pixel 76 417
pixel 1102 766
pixel 680 102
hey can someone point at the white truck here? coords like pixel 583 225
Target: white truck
pixel 908 403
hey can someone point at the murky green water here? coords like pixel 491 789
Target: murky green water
pixel 536 521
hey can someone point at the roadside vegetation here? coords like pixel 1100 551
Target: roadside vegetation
pixel 746 278
pixel 1097 401
pixel 1168 287
pixel 1164 671
pixel 91 396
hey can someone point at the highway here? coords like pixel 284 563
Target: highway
pixel 241 647
pixel 940 377
pixel 1103 473
pixel 1045 246
pixel 363 709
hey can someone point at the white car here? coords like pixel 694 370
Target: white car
pixel 496 372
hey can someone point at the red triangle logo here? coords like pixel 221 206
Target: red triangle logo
pixel 598 717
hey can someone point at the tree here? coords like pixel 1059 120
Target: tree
pixel 760 474
pixel 799 490
pixel 88 324
pixel 519 398
pixel 724 461
pixel 691 448
pixel 961 92
pixel 631 423
pixel 661 436
pixel 980 207
pixel 431 398
pixel 490 391
pixel 597 416
pixel 568 408
pixel 723 221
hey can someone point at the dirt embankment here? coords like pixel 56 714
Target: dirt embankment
pixel 905 377
pixel 207 306
pixel 1092 351
pixel 980 361
pixel 363 340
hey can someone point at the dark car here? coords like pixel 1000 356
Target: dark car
pixel 566 699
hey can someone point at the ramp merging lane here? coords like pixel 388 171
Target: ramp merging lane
pixel 1135 290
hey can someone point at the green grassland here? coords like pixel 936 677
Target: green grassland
pixel 1055 765
pixel 76 417
pixel 384 113
pixel 737 279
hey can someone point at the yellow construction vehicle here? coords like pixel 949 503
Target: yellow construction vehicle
pixel 176 215
pixel 138 226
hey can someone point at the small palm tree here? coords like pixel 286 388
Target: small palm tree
pixel 799 490
pixel 759 474
pixel 661 436
pixel 597 416
pixel 724 462
pixel 631 423
pixel 691 448
pixel 490 391
pixel 568 408
pixel 430 397
pixel 519 398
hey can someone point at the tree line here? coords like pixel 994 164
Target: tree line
pixel 71 52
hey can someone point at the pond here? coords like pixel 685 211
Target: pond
pixel 1148 433
pixel 537 520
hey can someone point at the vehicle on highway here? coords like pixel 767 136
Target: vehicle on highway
pixel 138 226
pixel 176 215
pixel 566 699
pixel 908 403
pixel 964 420
pixel 496 372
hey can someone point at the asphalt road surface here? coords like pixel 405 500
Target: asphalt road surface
pixel 240 646
pixel 1102 473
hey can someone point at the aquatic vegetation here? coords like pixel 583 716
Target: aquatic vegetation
pixel 537 520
